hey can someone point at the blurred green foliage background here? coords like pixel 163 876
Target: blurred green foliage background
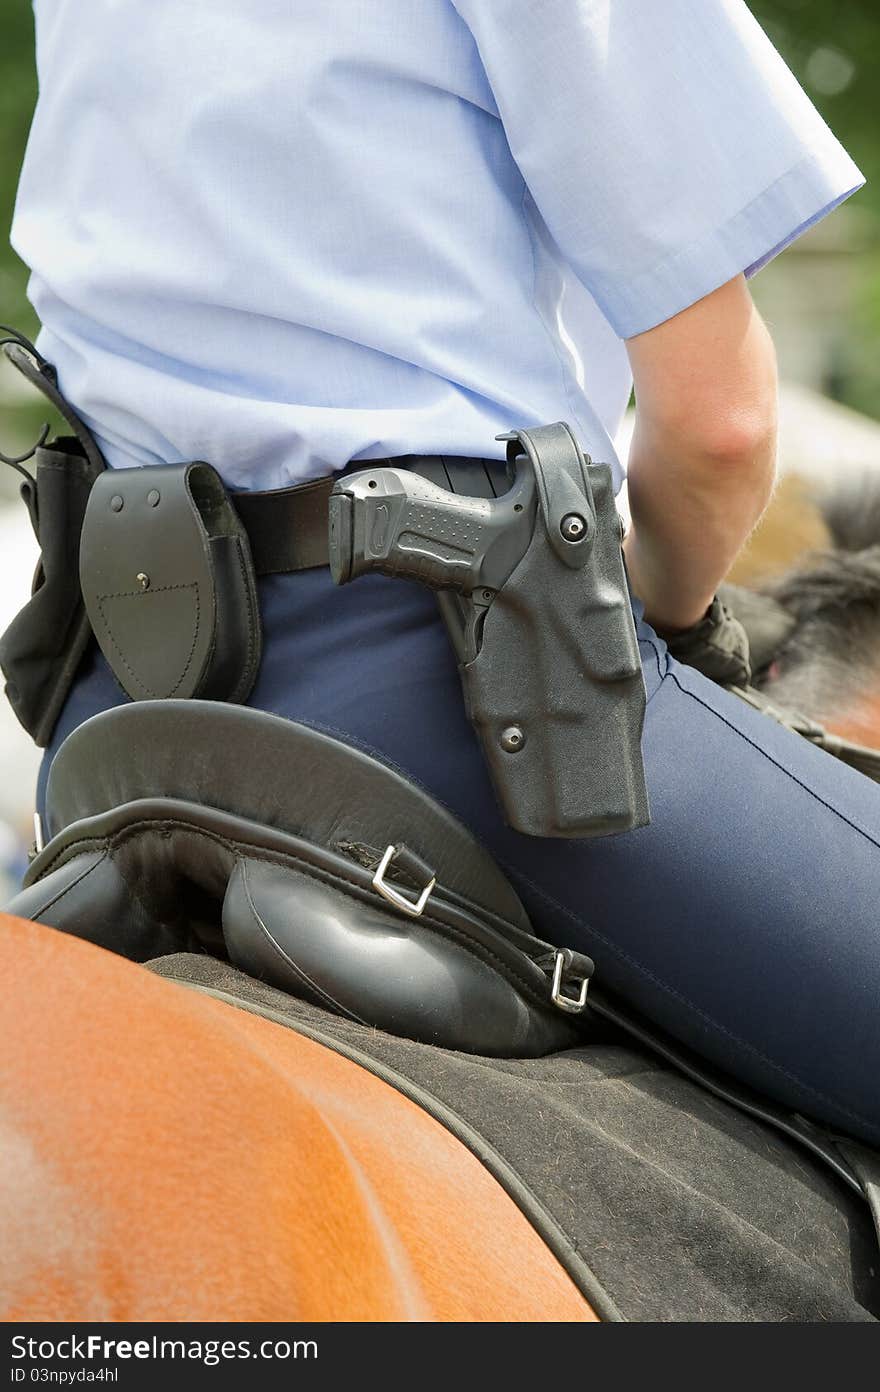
pixel 18 92
pixel 832 45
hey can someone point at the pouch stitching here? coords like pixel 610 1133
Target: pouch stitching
pixel 132 594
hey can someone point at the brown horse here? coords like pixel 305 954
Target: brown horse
pixel 170 1157
pixel 167 1155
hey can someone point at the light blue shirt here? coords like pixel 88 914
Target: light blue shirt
pixel 279 236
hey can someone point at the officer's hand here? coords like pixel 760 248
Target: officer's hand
pixel 717 646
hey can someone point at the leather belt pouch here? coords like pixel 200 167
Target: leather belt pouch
pixel 42 647
pixel 168 583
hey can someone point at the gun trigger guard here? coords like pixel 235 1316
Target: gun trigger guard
pixel 564 487
pixel 464 623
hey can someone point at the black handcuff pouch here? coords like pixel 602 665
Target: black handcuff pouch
pixel 168 583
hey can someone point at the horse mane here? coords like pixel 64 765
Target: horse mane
pixel 842 583
pixel 833 650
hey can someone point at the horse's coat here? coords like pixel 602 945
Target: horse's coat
pixel 167 1156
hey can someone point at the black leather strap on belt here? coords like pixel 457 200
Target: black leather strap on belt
pixel 287 527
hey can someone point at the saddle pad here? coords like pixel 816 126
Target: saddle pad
pixel 662 1201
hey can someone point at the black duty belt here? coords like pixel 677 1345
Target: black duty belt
pixel 287 527
pixel 168 563
pixel 174 533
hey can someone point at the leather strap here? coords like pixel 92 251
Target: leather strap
pixel 858 756
pixel 287 527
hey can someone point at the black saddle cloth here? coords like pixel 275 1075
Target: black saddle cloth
pixel 662 1201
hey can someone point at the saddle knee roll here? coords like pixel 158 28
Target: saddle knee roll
pixel 208 827
pixel 360 961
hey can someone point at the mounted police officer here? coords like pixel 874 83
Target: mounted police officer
pixel 294 241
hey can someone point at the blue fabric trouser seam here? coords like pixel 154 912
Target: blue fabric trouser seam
pixel 775 762
pixel 592 932
pixel 649 642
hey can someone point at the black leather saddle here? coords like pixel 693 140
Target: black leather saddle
pixel 185 825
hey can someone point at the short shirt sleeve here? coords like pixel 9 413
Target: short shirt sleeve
pixel 665 143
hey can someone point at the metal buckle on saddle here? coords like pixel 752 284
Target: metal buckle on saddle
pixel 572 1005
pixel 407 861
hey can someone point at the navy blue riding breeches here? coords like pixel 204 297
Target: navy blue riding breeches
pixel 744 920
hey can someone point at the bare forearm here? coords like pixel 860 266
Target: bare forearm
pixel 703 457
pixel 691 515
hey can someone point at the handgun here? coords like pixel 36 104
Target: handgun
pixel 533 590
